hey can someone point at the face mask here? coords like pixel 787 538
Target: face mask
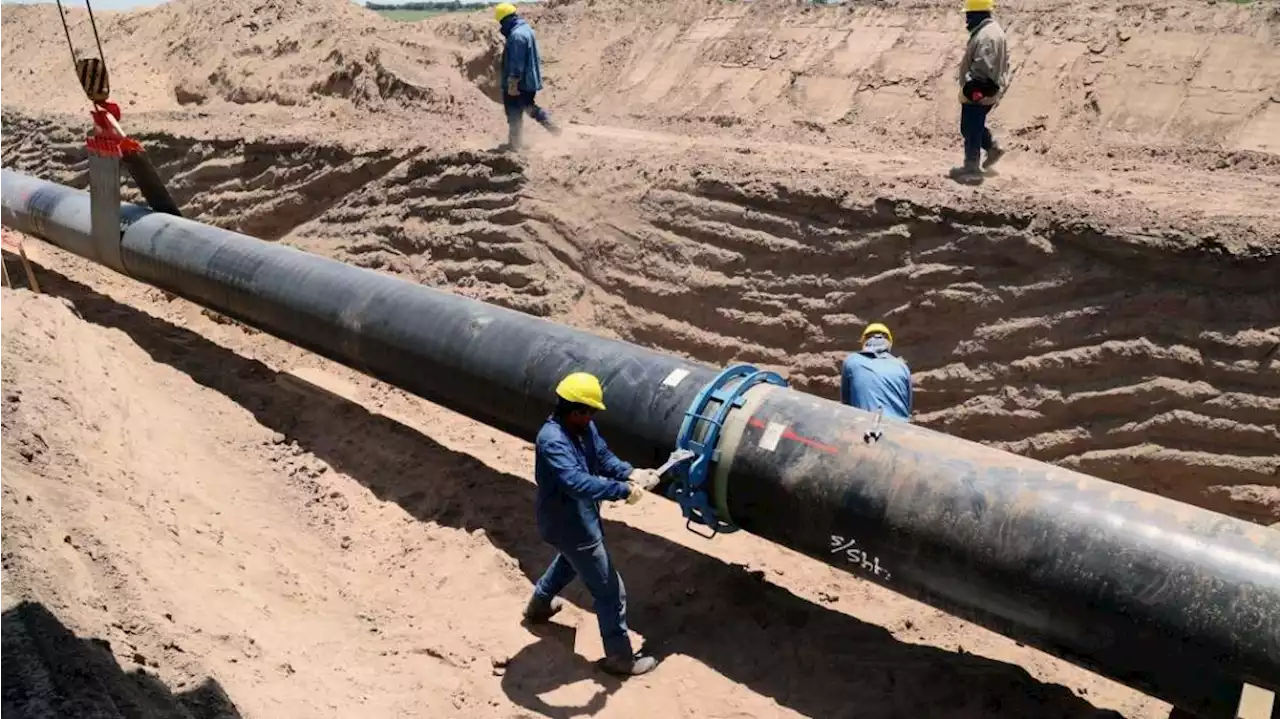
pixel 878 343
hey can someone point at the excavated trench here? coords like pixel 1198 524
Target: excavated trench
pixel 1091 348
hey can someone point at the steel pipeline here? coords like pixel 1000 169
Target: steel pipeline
pixel 1178 601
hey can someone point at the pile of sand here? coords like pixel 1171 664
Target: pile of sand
pixel 319 55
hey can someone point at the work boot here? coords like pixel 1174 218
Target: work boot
pixel 541 610
pixel 542 117
pixel 632 666
pixel 515 138
pixel 993 156
pixel 968 173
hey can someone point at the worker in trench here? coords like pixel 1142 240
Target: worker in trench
pixel 984 75
pixel 873 378
pixel 521 76
pixel 576 471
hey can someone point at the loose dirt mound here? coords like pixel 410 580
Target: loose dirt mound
pixel 327 55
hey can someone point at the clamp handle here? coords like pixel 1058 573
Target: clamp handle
pixel 875 434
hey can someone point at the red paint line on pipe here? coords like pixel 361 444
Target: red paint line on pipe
pixel 810 442
pixel 789 434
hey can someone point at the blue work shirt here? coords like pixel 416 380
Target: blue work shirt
pixel 871 380
pixel 520 55
pixel 574 475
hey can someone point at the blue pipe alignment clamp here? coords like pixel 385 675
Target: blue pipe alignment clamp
pixel 690 464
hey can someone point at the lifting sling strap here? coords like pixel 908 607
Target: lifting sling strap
pixel 109 139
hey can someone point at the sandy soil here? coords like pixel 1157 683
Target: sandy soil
pixel 740 181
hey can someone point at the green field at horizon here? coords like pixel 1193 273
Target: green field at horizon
pixel 409 15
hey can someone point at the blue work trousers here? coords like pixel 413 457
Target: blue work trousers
pixel 973 126
pixel 516 107
pixel 594 565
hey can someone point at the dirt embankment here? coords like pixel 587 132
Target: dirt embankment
pixel 1144 357
pixel 1195 82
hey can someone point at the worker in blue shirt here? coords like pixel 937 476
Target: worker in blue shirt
pixel 873 378
pixel 575 472
pixel 521 75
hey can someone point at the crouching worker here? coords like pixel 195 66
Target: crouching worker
pixel 874 379
pixel 576 471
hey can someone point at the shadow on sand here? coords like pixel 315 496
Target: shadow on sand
pixel 50 672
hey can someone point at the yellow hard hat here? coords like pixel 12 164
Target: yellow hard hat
pixel 880 327
pixel 979 5
pixel 501 12
pixel 581 388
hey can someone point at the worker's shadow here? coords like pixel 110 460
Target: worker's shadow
pixel 807 657
pixel 550 664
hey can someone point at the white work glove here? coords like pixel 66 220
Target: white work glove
pixel 646 478
pixel 635 493
pixel 513 86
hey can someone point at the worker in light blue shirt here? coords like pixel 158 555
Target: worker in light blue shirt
pixel 873 378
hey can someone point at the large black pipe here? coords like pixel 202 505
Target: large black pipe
pixel 1178 601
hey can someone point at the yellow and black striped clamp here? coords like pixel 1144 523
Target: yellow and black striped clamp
pixel 93 78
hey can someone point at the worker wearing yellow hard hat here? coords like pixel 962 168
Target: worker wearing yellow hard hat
pixel 582 388
pixel 503 11
pixel 984 77
pixel 575 472
pixel 521 76
pixel 874 379
pixel 877 328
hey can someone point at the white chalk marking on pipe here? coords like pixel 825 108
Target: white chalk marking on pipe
pixel 676 377
pixel 859 557
pixel 772 433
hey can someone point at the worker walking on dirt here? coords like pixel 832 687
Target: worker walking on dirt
pixel 576 471
pixel 521 75
pixel 873 378
pixel 984 75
